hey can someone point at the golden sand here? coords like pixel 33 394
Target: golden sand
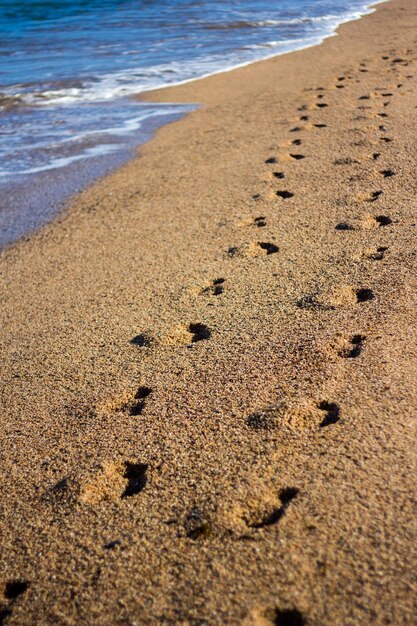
pixel 208 362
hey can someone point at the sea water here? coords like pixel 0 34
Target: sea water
pixel 69 70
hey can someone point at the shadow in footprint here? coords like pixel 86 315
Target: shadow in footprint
pixel 143 340
pixel 135 473
pixel 270 248
pixel 260 222
pixel 387 173
pixel 13 589
pixel 297 157
pixel 344 226
pixel 364 295
pixel 285 194
pixel 279 175
pixel 377 254
pixel 136 407
pixel 199 332
pixel 353 348
pixel 383 220
pixel 216 287
pixel 332 413
pixel 374 196
pixel 196 526
pixel 286 495
pixel 284 617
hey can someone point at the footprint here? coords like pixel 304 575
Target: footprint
pixel 344 226
pixel 376 254
pixel 345 161
pixel 297 157
pixel 309 415
pixel 216 286
pixel 296 129
pixel 285 194
pixel 259 222
pixel 114 481
pixel 271 160
pixel 320 125
pixel 352 347
pixel 261 420
pixel 337 297
pixel 373 196
pixel 143 340
pixel 197 526
pixel 321 105
pixel 254 249
pixel 268 515
pixel 126 403
pixel 260 248
pixel 297 142
pixel 372 221
pixel 387 173
pixel 188 334
pixel 279 175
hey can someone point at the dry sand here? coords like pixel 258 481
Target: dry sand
pixel 208 386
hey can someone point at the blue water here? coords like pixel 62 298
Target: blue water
pixel 69 68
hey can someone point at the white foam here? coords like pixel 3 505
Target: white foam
pixel 95 151
pixel 136 80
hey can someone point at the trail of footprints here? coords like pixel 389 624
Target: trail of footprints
pixel 121 480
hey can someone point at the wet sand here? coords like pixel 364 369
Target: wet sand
pixel 208 362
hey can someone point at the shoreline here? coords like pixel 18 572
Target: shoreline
pixel 209 360
pixel 44 210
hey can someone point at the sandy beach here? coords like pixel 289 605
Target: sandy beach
pixel 208 360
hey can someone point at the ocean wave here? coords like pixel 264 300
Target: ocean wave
pixel 285 22
pixel 133 80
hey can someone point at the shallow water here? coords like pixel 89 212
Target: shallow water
pixel 68 70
